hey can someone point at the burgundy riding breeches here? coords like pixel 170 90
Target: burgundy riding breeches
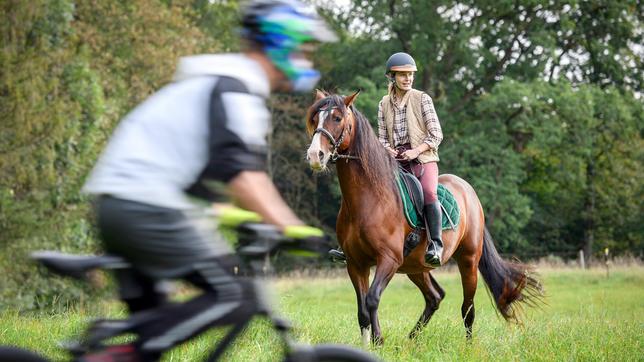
pixel 427 173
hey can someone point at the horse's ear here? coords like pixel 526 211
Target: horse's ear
pixel 348 101
pixel 319 95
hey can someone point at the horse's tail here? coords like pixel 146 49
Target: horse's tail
pixel 510 283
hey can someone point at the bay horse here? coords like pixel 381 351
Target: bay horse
pixel 371 226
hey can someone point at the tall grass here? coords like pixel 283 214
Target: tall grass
pixel 589 317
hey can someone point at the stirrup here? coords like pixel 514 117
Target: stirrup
pixel 433 260
pixel 433 256
pixel 337 256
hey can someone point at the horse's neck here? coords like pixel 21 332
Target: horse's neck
pixel 356 189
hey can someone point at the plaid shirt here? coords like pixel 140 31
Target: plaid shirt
pixel 400 135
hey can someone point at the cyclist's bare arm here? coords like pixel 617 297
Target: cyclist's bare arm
pixel 254 190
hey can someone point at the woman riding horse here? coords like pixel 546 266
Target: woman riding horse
pixel 409 129
pixel 371 224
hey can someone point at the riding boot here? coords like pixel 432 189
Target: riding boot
pixel 433 220
pixel 337 255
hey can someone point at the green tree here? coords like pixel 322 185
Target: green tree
pixel 70 70
pixel 464 48
pixel 484 62
pixel 578 147
pixel 588 149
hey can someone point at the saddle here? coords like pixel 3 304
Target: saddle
pixel 411 194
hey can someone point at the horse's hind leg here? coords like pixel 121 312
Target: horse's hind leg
pixel 385 270
pixel 469 276
pixel 433 295
pixel 360 280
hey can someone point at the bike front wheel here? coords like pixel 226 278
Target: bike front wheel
pixel 330 353
pixel 14 354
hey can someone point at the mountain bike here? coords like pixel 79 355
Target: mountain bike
pixel 256 242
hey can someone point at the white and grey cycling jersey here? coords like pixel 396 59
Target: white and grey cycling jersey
pixel 210 123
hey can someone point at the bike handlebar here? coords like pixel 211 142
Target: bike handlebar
pixel 258 239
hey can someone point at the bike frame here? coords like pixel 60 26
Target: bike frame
pixel 261 243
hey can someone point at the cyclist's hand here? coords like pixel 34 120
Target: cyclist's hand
pixel 308 237
pixel 299 232
pixel 232 216
pixel 249 228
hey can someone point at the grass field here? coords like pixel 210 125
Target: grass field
pixel 589 317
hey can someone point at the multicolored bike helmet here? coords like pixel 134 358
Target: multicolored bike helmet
pixel 281 28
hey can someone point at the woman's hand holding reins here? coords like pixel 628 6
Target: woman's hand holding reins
pixel 410 154
pixel 392 152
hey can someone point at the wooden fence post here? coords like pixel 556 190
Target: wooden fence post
pixel 607 261
pixel 582 262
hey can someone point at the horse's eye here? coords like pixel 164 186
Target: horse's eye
pixel 337 119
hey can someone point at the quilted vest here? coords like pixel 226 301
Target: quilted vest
pixel 415 124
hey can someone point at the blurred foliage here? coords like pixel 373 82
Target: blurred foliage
pixel 70 70
pixel 540 104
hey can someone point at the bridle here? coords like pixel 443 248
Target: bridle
pixel 335 155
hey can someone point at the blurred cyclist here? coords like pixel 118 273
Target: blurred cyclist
pixel 210 123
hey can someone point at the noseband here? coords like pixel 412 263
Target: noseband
pixel 336 143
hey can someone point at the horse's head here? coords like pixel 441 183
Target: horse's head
pixel 330 121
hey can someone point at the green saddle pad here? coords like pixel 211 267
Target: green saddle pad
pixel 451 212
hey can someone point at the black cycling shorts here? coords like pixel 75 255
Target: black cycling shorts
pixel 161 243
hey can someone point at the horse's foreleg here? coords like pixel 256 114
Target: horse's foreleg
pixel 433 295
pixel 385 270
pixel 360 280
pixel 469 277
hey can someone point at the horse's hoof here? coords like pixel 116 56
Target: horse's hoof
pixel 366 337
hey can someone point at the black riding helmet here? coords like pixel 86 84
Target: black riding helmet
pixel 401 62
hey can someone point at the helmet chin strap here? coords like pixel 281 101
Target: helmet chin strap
pixel 392 80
